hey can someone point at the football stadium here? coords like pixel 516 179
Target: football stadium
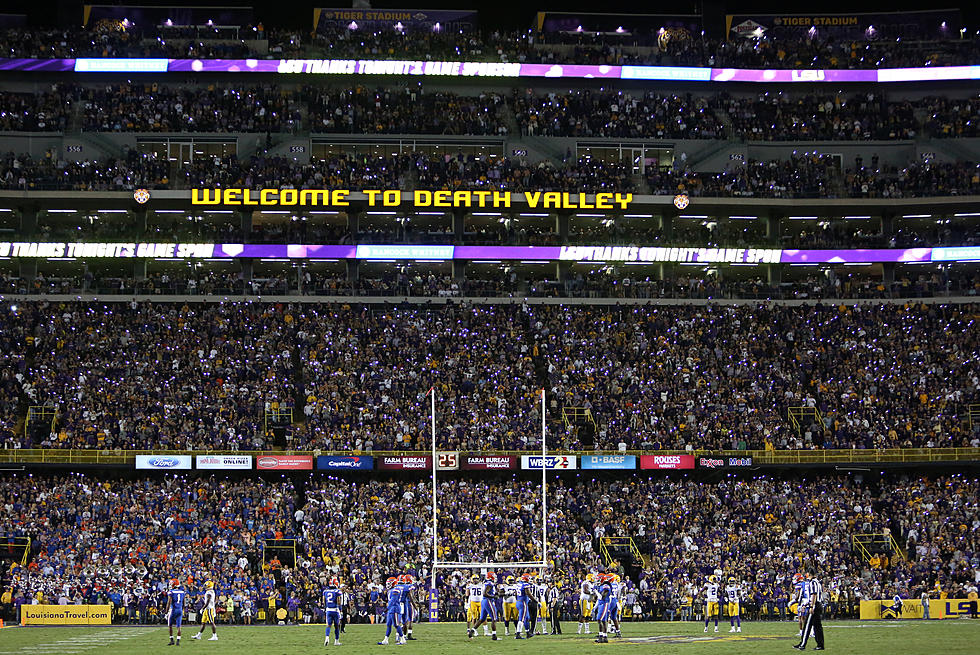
pixel 442 328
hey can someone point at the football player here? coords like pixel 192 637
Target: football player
pixel 207 614
pixel 733 596
pixel 800 587
pixel 585 598
pixel 604 597
pixel 509 594
pixel 523 594
pixel 474 591
pixel 393 614
pixel 407 583
pixel 331 611
pixel 711 601
pixel 616 585
pixel 488 607
pixel 175 609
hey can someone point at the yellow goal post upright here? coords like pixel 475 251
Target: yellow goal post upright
pixel 541 565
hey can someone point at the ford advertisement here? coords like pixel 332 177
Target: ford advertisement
pixel 164 462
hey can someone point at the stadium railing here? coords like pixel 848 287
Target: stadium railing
pixel 769 457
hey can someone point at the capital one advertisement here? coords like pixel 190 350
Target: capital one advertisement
pixel 344 462
pixel 404 462
pixel 667 462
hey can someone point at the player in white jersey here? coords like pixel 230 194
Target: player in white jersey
pixel 207 613
pixel 711 592
pixel 509 594
pixel 733 596
pixel 474 591
pixel 586 598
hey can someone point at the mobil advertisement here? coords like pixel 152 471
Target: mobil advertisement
pixel 404 462
pixel 554 462
pixel 666 461
pixel 284 463
pixel 608 462
pixel 164 462
pixel 223 462
pixel 489 462
pixel 719 462
pixel 341 463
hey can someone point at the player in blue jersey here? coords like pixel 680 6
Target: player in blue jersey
pixel 394 611
pixel 331 611
pixel 523 591
pixel 603 606
pixel 175 609
pixel 488 607
pixel 407 583
pixel 616 587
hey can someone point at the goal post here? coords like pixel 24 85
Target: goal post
pixel 541 564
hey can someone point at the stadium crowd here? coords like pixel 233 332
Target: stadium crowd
pixel 132 536
pixel 801 176
pixel 414 109
pixel 627 46
pixel 198 377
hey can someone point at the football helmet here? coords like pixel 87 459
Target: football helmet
pixel 391 582
pixel 510 579
pixel 209 585
pixel 712 578
pixel 334 582
pixel 797 578
pixel 491 576
pixel 731 579
pixel 474 578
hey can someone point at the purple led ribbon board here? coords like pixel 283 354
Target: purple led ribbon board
pixel 487 69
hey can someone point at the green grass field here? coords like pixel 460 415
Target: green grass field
pixel 859 638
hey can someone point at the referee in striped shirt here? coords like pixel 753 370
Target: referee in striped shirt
pixel 813 593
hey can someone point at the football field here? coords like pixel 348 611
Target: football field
pixel 859 638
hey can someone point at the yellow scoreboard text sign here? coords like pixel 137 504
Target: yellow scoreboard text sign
pixel 66 614
pixel 394 198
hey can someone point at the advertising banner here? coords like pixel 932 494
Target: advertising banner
pixel 718 462
pixel 489 69
pixel 608 462
pixel 66 614
pixel 348 462
pixel 555 462
pixel 223 462
pixel 327 20
pixel 489 462
pixel 404 462
pixel 884 608
pixel 284 463
pixel 951 608
pixel 447 461
pixel 915 25
pixel 164 462
pixel 433 605
pixel 666 461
